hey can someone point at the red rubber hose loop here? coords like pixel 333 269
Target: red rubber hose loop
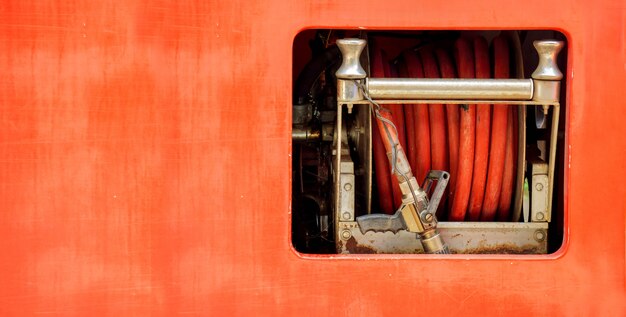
pixel 498 136
pixel 409 121
pixel 438 149
pixel 483 123
pixel 510 163
pixel 437 119
pixel 397 115
pixel 390 136
pixel 397 111
pixel 467 127
pixel 446 69
pixel 381 164
pixel 420 120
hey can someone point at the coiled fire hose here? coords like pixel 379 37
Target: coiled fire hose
pixel 476 143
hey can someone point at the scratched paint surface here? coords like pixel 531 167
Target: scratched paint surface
pixel 145 165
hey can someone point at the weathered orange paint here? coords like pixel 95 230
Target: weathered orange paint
pixel 145 165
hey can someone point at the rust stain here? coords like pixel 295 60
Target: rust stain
pixel 503 249
pixel 353 247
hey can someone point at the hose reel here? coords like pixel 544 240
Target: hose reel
pixel 419 92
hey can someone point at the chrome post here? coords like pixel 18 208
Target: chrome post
pixel 547 77
pixel 350 70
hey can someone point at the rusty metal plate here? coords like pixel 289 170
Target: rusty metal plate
pixel 461 237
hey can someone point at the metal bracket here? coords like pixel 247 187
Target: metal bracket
pixel 539 188
pixel 461 237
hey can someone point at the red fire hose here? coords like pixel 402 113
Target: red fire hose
pixel 510 159
pixel 397 113
pixel 437 120
pixel 483 122
pixel 498 136
pixel 467 133
pixel 452 115
pixel 421 120
pixel 409 121
pixel 381 163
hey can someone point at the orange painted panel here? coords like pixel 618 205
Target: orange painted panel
pixel 145 165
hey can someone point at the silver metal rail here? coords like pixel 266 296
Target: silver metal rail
pixel 435 89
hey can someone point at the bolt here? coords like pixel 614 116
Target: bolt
pixel 540 216
pixel 345 234
pixel 539 186
pixel 540 235
pixel 428 217
pixel 346 215
pixel 347 186
pixel 349 108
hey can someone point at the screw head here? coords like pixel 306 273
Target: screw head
pixel 540 235
pixel 540 216
pixel 345 234
pixel 346 215
pixel 428 217
pixel 539 186
pixel 347 186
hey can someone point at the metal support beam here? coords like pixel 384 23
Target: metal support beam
pixel 450 88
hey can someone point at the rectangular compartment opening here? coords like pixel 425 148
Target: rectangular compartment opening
pixel 341 175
